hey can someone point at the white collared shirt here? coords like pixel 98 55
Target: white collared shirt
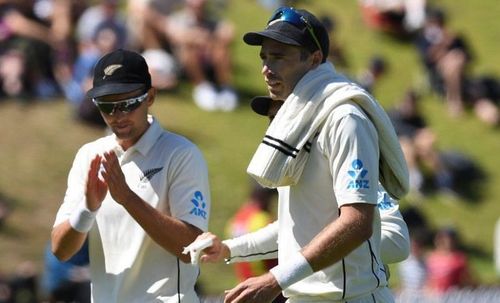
pixel 168 172
pixel 342 169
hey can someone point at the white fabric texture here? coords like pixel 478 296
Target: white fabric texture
pixel 328 183
pixel 259 245
pixel 395 237
pixel 281 157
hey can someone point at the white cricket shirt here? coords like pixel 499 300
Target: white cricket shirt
pixel 168 172
pixel 342 169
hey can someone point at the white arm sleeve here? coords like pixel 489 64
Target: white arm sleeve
pixel 395 238
pixel 259 245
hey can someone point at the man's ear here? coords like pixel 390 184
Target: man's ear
pixel 317 57
pixel 151 96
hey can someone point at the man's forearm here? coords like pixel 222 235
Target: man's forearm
pixel 339 238
pixel 170 233
pixel 66 241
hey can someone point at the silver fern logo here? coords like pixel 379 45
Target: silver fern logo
pixel 148 174
pixel 110 70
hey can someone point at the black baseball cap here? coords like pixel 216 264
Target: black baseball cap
pixel 291 32
pixel 260 105
pixel 120 72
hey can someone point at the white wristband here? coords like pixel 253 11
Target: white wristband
pixel 82 219
pixel 295 269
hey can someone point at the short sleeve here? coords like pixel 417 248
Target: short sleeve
pixel 77 180
pixel 188 190
pixel 353 155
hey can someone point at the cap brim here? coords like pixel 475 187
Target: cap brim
pixel 114 89
pixel 260 105
pixel 281 32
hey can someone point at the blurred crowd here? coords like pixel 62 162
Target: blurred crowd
pixel 48 49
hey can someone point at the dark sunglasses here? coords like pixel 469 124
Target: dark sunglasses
pixel 293 17
pixel 125 106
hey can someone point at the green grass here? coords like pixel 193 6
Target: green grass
pixel 38 141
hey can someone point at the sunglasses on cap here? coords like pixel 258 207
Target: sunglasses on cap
pixel 124 106
pixel 293 17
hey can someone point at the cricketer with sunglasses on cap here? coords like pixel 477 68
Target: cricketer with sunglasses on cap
pixel 326 150
pixel 140 195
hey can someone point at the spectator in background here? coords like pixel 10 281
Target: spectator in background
pixel 163 68
pixel 401 18
pixel 66 282
pixel 496 247
pixel 254 214
pixel 104 11
pixel 482 94
pixel 75 81
pixel 376 68
pixel 447 264
pixel 445 55
pixel 147 33
pixel 21 286
pixel 4 209
pixel 415 138
pixel 413 271
pixel 27 47
pixel 200 42
pixel 146 23
pixel 430 167
pixel 4 289
pixel 62 15
pixel 336 53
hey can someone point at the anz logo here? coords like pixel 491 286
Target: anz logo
pixel 357 175
pixel 199 205
pixel 384 202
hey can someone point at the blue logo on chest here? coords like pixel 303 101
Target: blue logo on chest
pixel 199 205
pixel 357 175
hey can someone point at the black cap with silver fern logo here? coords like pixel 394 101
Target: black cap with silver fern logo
pixel 120 72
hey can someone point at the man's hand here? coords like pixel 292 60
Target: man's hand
pixel 96 188
pixel 262 289
pixel 217 252
pixel 113 175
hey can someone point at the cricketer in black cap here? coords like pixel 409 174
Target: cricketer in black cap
pixel 321 142
pixel 139 194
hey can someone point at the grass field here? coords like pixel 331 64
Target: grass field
pixel 39 140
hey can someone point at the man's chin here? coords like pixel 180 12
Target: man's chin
pixel 275 96
pixel 122 133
